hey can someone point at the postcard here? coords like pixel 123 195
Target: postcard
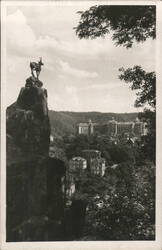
pixel 81 125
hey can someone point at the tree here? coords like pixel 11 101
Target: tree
pixel 144 82
pixel 113 213
pixel 127 23
pixel 116 217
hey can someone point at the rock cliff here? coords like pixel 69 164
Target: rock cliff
pixel 28 121
pixel 30 169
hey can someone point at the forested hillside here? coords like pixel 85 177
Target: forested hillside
pixel 64 122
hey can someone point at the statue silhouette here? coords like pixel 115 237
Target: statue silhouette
pixel 36 67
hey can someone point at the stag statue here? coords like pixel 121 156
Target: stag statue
pixel 36 67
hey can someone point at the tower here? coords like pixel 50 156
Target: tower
pixel 90 127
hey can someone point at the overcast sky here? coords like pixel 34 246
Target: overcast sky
pixel 79 75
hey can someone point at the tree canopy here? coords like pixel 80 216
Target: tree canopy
pixel 144 82
pixel 128 23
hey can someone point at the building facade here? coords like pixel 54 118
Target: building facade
pixel 77 163
pixel 86 128
pixel 92 162
pixel 98 166
pixel 76 166
pixel 114 129
pixel 95 163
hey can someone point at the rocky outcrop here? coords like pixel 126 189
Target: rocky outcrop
pixel 30 204
pixel 28 121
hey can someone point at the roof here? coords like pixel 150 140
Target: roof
pixel 78 158
pixel 86 123
pixel 83 124
pixel 103 160
pixel 114 166
pixel 125 123
pixel 91 150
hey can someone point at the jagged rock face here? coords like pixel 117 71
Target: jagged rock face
pixel 55 197
pixel 28 132
pixel 35 200
pixel 26 200
pixel 34 99
pixel 28 121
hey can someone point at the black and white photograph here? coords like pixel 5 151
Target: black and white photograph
pixel 78 96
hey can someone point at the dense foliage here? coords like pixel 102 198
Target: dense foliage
pixel 128 23
pixel 111 152
pixel 116 216
pixel 144 82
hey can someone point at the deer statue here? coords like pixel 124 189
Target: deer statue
pixel 36 67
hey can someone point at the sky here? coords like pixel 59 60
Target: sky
pixel 79 75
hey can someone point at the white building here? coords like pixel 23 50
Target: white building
pixel 86 128
pixel 98 166
pixel 77 163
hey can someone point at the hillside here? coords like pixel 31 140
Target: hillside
pixel 64 122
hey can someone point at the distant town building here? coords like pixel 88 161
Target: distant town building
pixel 89 154
pixel 113 128
pixel 77 163
pixel 70 184
pixel 86 128
pixel 125 127
pixel 95 163
pixel 140 128
pixel 51 138
pixel 145 128
pixel 91 161
pixel 98 166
